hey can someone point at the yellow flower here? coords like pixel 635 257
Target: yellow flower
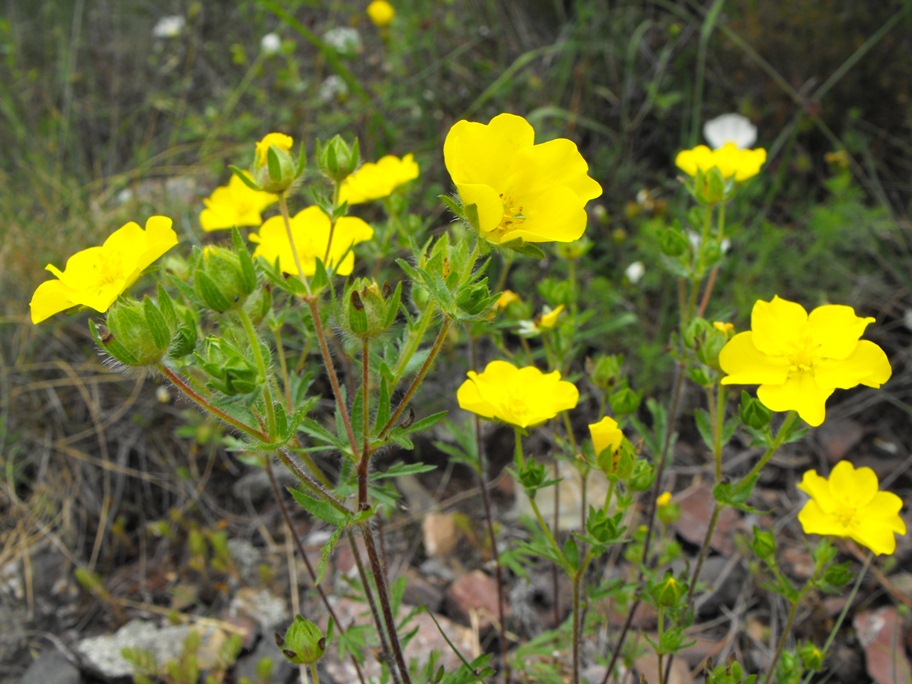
pixel 310 229
pixel 849 504
pixel 373 181
pixel 731 161
pixel 97 276
pixel 280 140
pixel 519 189
pixel 606 435
pixel 381 13
pixel 523 397
pixel 549 320
pixel 799 360
pixel 506 298
pixel 664 499
pixel 724 327
pixel 233 205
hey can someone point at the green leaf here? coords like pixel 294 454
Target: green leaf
pixel 248 274
pixel 320 509
pixel 383 405
pixel 400 469
pixel 424 423
pixel 158 326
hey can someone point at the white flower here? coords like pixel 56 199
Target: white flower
pixel 635 272
pixel 169 27
pixel 346 41
pixel 270 44
pixel 333 88
pixel 732 128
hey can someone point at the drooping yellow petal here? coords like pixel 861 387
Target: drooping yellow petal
pixel 799 393
pixel 489 206
pixel 51 297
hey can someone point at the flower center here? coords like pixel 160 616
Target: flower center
pixel 109 269
pixel 847 516
pixel 518 408
pixel 804 356
pixel 512 216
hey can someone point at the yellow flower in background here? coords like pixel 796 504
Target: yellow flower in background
pixel 731 161
pixel 381 13
pixel 376 180
pixel 724 327
pixel 606 435
pixel 850 504
pixel 519 189
pixel 280 140
pixel 523 397
pixel 310 229
pixel 549 320
pixel 97 276
pixel 233 205
pixel 663 499
pixel 506 298
pixel 799 360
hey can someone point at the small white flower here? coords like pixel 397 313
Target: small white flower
pixel 270 44
pixel 169 27
pixel 635 272
pixel 732 128
pixel 346 41
pixel 332 88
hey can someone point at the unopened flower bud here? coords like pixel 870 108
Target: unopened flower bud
pixel 336 159
pixel 303 643
pixel 219 280
pixel 228 370
pixel 136 333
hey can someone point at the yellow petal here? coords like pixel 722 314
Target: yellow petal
pixel 487 203
pixel 51 297
pixel 484 153
pixel 866 365
pixel 746 365
pixel 818 489
pixel 799 393
pixel 853 488
pixel 554 163
pixel 836 329
pixel 557 215
pixel 777 325
pixel 814 520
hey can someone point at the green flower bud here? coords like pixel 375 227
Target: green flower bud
pixel 673 242
pixel 531 476
pixel 837 576
pixel 275 168
pixel 474 299
pixel 625 401
pixel 369 310
pixel 185 334
pixel 668 591
pixel 753 413
pixel 303 643
pixel 605 371
pixel 136 333
pixel 642 477
pixel 603 528
pixel 229 371
pixel 763 543
pixel 336 159
pixel 811 657
pixel 619 464
pixel 219 279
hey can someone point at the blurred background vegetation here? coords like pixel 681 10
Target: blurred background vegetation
pixel 106 120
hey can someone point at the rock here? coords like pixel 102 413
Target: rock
pixel 260 606
pixel 879 632
pixel 426 639
pixel 474 593
pixel 51 667
pixel 440 533
pixel 102 654
pixel 696 504
pixel 246 558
